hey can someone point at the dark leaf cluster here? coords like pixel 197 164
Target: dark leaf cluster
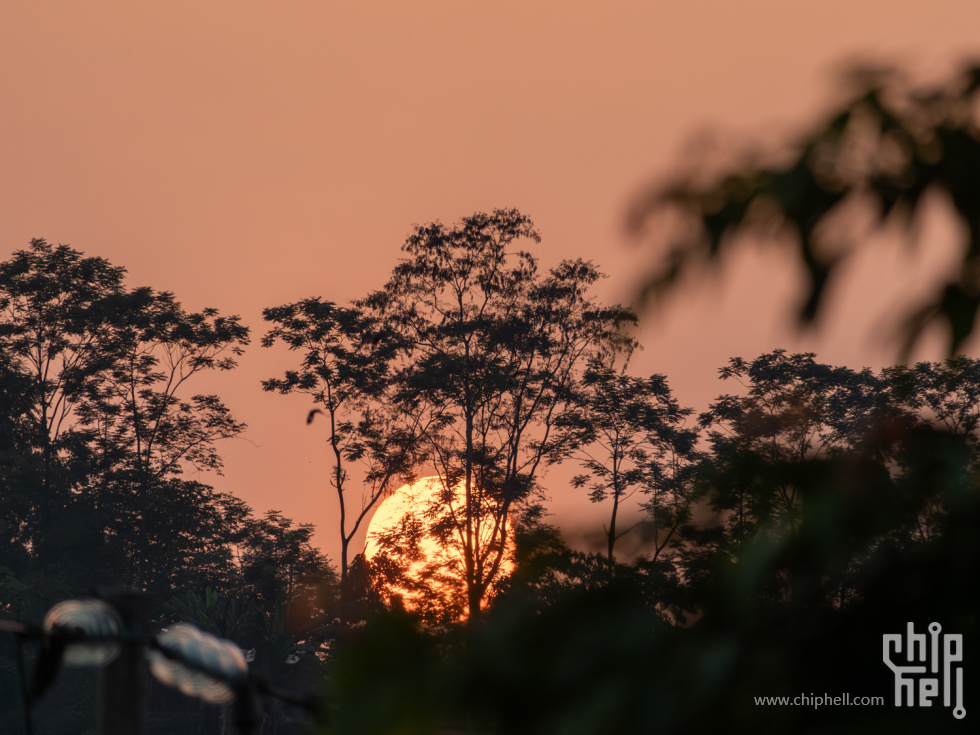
pixel 872 163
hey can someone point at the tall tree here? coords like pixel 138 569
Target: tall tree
pixel 491 350
pixel 628 434
pixel 345 370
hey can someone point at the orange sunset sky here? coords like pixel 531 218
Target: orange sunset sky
pixel 246 154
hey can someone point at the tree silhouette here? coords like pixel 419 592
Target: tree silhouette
pixel 628 434
pixel 284 573
pixel 100 433
pixel 54 339
pixel 345 370
pixel 794 410
pixel 146 433
pixel 99 426
pixel 946 394
pixel 490 351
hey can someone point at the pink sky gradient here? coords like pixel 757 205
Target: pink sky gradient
pixel 247 154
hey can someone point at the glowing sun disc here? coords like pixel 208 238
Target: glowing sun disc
pixel 412 499
pixel 407 499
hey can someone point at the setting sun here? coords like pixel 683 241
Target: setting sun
pixel 433 570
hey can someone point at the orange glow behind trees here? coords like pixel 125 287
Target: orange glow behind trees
pixel 413 567
pixel 489 355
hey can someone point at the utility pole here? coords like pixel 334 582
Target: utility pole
pixel 121 704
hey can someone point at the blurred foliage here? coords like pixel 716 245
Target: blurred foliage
pixel 872 162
